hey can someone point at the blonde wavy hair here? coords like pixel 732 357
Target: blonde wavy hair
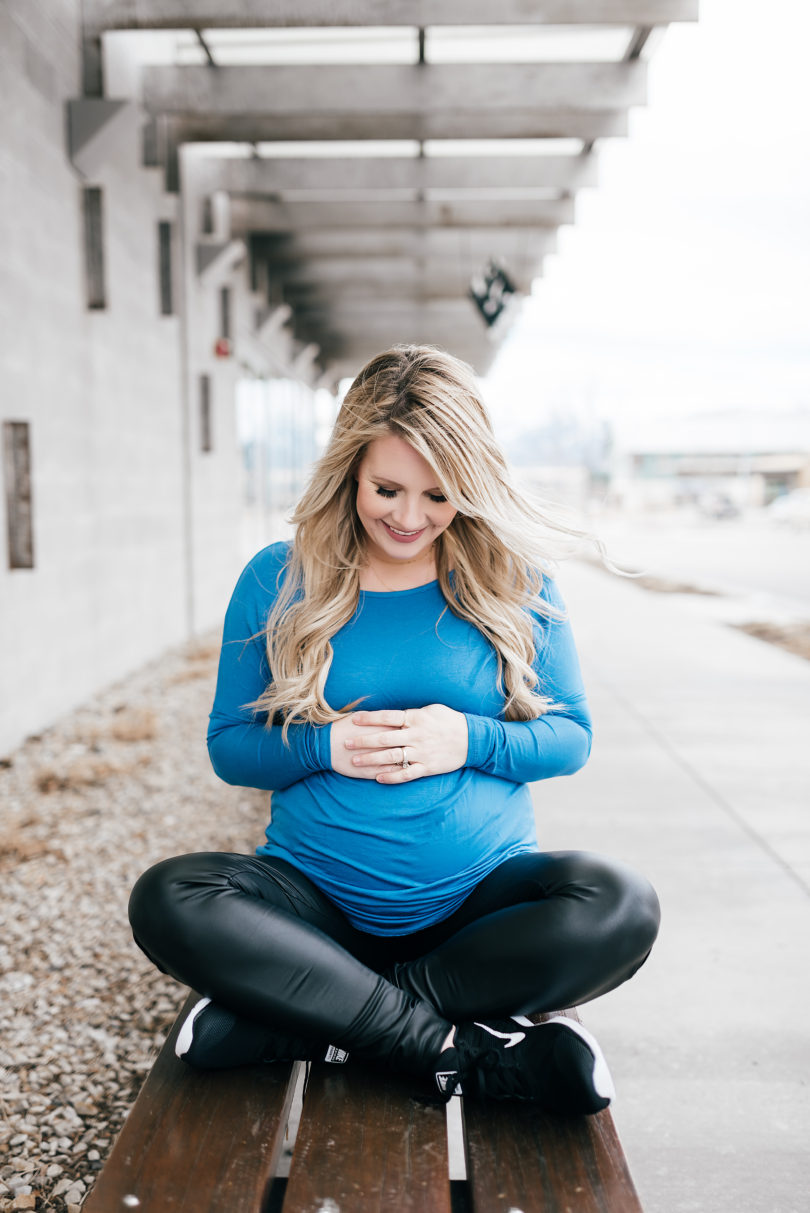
pixel 501 543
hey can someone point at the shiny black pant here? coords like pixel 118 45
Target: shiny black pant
pixel 540 933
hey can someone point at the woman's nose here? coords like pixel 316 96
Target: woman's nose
pixel 409 515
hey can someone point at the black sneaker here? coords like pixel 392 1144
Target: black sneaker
pixel 211 1038
pixel 556 1064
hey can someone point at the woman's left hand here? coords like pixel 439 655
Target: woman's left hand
pixel 432 739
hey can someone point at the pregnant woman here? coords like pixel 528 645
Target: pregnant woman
pixel 397 675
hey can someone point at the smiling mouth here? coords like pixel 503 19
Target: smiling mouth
pixel 402 534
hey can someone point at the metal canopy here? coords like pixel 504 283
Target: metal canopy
pixel 365 250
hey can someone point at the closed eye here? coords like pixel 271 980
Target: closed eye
pixel 437 497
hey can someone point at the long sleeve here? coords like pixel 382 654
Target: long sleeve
pixel 243 750
pixel 558 743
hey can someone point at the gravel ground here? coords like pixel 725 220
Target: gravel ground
pixel 87 806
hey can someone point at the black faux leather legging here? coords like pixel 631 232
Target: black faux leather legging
pixel 540 933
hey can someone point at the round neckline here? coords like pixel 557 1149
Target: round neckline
pixel 416 589
pixel 413 590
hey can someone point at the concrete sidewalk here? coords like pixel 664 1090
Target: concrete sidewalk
pixel 700 776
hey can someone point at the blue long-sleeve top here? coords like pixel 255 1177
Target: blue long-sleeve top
pixel 396 857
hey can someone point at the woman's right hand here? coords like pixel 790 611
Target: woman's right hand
pixel 342 731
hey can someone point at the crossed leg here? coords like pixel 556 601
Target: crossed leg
pixel 541 932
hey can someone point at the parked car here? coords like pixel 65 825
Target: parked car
pixel 717 505
pixel 791 508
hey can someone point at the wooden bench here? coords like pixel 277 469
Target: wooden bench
pixel 366 1143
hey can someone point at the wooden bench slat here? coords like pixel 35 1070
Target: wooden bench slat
pixel 520 1159
pixel 523 1160
pixel 366 1144
pixel 201 1142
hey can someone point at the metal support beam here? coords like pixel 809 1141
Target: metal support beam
pixel 264 216
pixel 640 38
pixel 246 14
pixel 480 243
pixel 380 312
pixel 384 323
pixel 518 123
pixel 375 332
pixel 340 299
pixel 392 273
pixel 206 48
pixel 275 175
pixel 393 90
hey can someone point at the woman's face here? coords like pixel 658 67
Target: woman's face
pixel 399 501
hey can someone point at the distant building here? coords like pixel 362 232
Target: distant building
pixel 746 458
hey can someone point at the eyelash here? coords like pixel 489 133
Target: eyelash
pixel 393 492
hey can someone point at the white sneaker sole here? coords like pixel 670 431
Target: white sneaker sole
pixel 186 1034
pixel 602 1081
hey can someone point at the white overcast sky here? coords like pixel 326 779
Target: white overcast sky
pixel 684 285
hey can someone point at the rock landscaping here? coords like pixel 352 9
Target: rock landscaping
pixel 117 785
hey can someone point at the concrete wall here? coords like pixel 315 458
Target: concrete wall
pixel 99 389
pixel 136 530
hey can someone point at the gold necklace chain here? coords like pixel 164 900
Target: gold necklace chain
pixel 393 589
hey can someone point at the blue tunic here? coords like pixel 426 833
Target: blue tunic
pixel 396 857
